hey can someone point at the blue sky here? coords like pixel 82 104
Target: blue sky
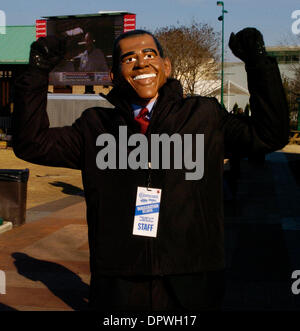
pixel 272 18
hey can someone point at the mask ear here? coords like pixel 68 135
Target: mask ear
pixel 168 67
pixel 111 75
pixel 114 78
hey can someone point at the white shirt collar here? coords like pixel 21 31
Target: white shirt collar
pixel 137 108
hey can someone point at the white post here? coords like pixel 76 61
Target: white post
pixel 2 282
pixel 228 92
pixel 2 22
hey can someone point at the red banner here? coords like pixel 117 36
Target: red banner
pixel 40 28
pixel 129 22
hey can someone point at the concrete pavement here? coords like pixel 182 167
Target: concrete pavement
pixel 46 261
pixel 262 237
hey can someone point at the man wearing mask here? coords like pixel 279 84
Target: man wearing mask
pixel 181 267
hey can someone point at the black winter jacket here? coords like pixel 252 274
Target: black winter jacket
pixel 190 230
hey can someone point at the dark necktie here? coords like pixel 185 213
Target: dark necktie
pixel 142 120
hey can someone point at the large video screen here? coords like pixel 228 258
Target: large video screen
pixel 89 47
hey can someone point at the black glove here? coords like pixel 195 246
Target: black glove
pixel 46 53
pixel 248 45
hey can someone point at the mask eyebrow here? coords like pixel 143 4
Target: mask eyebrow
pixel 146 50
pixel 126 54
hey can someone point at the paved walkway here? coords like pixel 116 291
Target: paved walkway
pixel 262 236
pixel 46 260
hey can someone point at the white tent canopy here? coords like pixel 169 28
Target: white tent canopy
pixel 230 89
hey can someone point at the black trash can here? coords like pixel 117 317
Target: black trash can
pixel 13 195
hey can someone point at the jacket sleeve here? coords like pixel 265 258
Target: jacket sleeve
pixel 33 140
pixel 267 129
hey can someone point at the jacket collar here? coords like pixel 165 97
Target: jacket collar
pixel 170 93
pixel 171 90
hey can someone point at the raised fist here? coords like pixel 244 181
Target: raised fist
pixel 47 52
pixel 248 45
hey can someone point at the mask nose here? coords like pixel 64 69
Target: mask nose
pixel 141 62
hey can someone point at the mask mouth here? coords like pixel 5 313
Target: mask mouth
pixel 144 76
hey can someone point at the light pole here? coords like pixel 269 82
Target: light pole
pixel 221 18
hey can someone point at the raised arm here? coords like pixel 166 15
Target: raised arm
pixel 33 140
pixel 267 129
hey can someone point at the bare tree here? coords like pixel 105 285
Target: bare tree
pixel 292 91
pixel 193 51
pixel 291 82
